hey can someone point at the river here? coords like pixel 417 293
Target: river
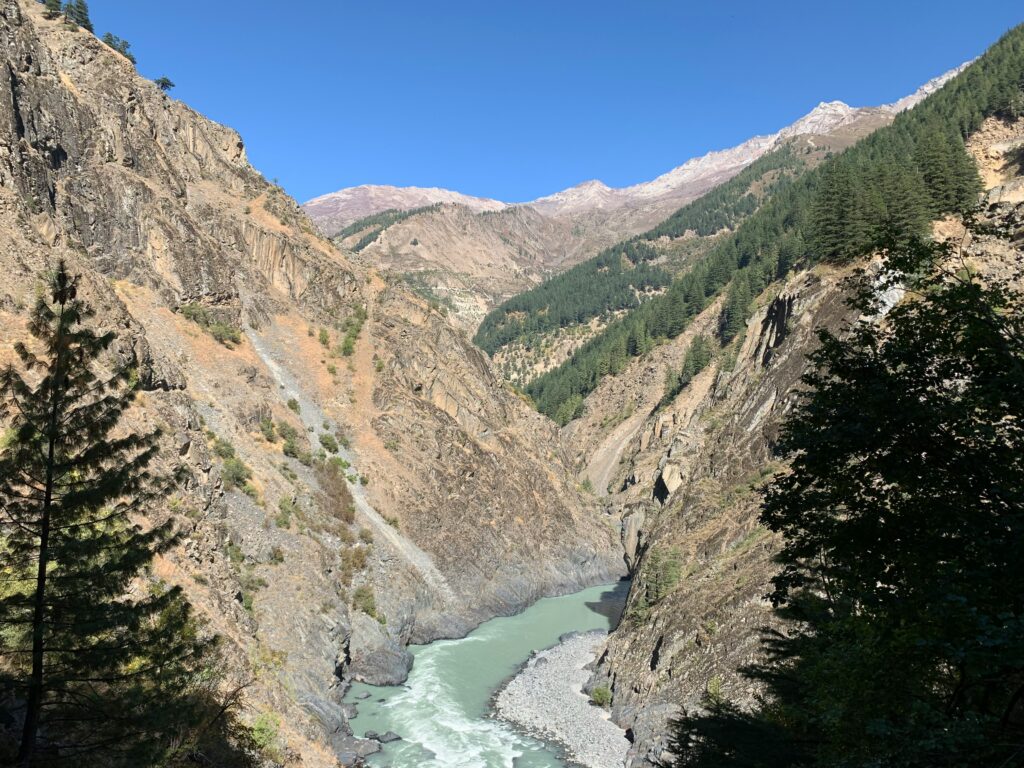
pixel 442 712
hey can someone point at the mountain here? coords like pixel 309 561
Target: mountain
pixel 473 253
pixel 336 210
pixel 389 468
pixel 684 461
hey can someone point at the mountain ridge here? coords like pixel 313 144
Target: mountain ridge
pixel 352 203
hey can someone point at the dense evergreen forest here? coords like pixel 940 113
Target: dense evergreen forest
pixel 607 283
pixel 377 223
pixel 887 186
pixel 614 279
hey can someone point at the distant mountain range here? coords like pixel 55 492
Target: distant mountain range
pixel 336 210
pixel 472 253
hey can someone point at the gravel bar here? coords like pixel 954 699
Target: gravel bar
pixel 546 699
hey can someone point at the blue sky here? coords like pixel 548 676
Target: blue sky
pixel 515 100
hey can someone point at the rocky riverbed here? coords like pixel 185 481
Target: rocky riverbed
pixel 546 699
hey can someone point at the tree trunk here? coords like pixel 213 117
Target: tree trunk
pixel 35 687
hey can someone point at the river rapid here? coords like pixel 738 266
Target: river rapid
pixel 443 712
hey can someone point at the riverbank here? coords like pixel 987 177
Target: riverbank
pixel 443 713
pixel 546 699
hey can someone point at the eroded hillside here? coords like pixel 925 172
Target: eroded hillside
pixel 686 473
pixel 356 477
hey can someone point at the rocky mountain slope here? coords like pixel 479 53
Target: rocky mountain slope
pixel 336 210
pixel 685 473
pixel 473 253
pixel 396 491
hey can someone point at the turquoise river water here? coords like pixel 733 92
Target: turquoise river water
pixel 442 712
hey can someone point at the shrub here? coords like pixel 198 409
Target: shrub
pixel 226 334
pixel 235 554
pixel 294 405
pixel 329 442
pixel 325 337
pixel 364 600
pixel 265 733
pixel 601 696
pixel 286 508
pixel 223 449
pixel 235 473
pixel 366 535
pixel 335 497
pixel 267 430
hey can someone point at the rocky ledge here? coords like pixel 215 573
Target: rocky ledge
pixel 546 699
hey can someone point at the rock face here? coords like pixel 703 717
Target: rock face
pixel 461 507
pixel 685 477
pixel 473 253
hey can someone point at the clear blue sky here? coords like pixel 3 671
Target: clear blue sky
pixel 518 99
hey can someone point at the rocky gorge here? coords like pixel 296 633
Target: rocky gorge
pixel 236 313
pixel 356 479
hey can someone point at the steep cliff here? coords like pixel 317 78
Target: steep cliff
pixel 685 474
pixel 255 337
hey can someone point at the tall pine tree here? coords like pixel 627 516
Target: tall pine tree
pixel 99 677
pixel 52 9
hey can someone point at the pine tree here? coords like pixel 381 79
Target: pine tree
pixel 77 12
pixel 99 673
pixel 737 305
pixel 52 9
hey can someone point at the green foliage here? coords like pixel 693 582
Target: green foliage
pixel 266 736
pixel 329 442
pixel 887 186
pixel 235 472
pixel 601 696
pixel 104 674
pixel 377 223
pixel 607 283
pixel 293 404
pixel 267 430
pixel 294 444
pixel 352 326
pixel 121 46
pixel 325 337
pixel 728 204
pixel 165 84
pixel 901 519
pixel 226 334
pixel 286 508
pixel 335 497
pixel 660 571
pixel 53 9
pixel 363 599
pixel 77 12
pixel 698 356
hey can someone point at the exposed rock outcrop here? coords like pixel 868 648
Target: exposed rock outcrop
pixel 461 506
pixel 686 474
